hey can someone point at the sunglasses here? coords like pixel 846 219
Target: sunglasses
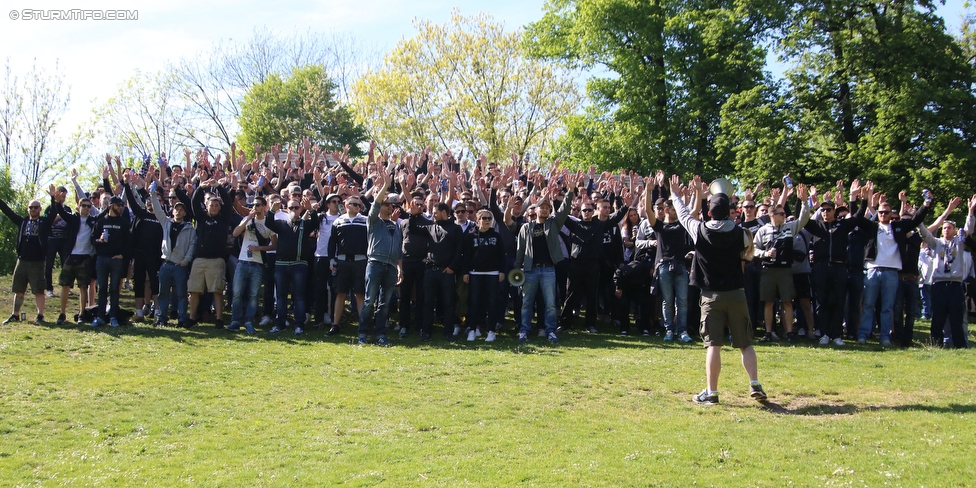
pixel 85 205
pixel 295 207
pixel 884 212
pixel 586 210
pixel 748 206
pixel 34 207
pixel 779 213
pixel 353 204
pixel 485 218
pixel 460 211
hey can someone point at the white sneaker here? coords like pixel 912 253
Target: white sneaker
pixel 327 321
pixel 684 337
pixel 471 336
pixel 862 341
pixel 477 332
pixel 824 340
pixel 457 331
pixel 838 342
pixel 491 337
pixel 801 333
pixel 265 321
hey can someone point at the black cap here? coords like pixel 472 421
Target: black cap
pixel 719 206
pixel 116 201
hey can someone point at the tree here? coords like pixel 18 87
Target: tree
pixel 278 111
pixel 882 92
pixel 212 84
pixel 465 83
pixel 144 117
pixel 663 69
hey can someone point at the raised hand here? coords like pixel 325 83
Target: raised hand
pixel 675 185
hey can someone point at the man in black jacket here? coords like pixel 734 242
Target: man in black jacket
pixel 443 261
pixel 111 240
pixel 32 236
pixel 78 266
pixel 213 226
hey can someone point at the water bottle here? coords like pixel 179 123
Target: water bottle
pixel 105 235
pixel 249 253
pixel 788 181
pixel 927 195
pixel 152 187
pixel 260 182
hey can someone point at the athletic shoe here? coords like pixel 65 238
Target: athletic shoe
pixel 704 398
pixel 382 341
pixel 361 341
pixel 265 321
pixel 669 336
pixel 623 333
pixel 768 337
pixel 249 327
pixel 646 333
pixel 333 330
pixel 824 340
pixel 756 391
pixel 403 332
pixel 862 341
pixel 190 323
pixel 542 332
pixel 775 337
pixel 98 322
pixel 49 293
pixel 684 337
pixel 592 330
pixel 327 320
pixel 791 337
pixel 801 333
pixel 471 336
pixel 113 322
pixel 838 342
pixel 61 319
pixel 276 330
pixel 299 331
pixel 425 337
pixel 39 319
pixel 234 327
pixel 552 337
pixel 457 331
pixel 491 337
pixel 886 343
pixel 523 337
pixel 817 333
pixel 219 324
pixel 477 332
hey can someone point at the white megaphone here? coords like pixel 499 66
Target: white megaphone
pixel 721 185
pixel 516 277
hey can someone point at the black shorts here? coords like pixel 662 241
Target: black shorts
pixel 351 275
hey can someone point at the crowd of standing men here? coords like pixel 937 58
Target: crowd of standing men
pixel 287 239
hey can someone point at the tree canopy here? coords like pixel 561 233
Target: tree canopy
pixel 301 107
pixel 465 83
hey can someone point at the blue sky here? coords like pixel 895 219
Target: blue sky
pixel 95 56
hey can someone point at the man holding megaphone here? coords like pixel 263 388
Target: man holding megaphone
pixel 538 252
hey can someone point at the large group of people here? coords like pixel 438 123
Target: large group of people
pixel 292 239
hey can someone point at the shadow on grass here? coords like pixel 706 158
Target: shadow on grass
pixel 840 408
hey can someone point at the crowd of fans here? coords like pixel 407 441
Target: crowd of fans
pixel 287 241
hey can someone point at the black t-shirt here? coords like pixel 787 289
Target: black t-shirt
pixel 540 246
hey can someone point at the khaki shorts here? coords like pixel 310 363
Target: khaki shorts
pixel 207 274
pixel 76 269
pixel 28 272
pixel 724 313
pixel 776 283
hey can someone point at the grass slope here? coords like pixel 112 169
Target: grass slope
pixel 143 406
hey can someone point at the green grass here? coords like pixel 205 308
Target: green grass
pixel 142 406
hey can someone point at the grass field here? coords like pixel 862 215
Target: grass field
pixel 175 407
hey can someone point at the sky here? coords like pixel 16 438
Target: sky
pixel 95 56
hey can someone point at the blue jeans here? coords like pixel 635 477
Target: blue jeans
pixel 673 277
pixel 105 268
pixel 290 278
pixel 536 280
pixel 878 283
pixel 247 285
pixel 381 278
pixel 172 287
